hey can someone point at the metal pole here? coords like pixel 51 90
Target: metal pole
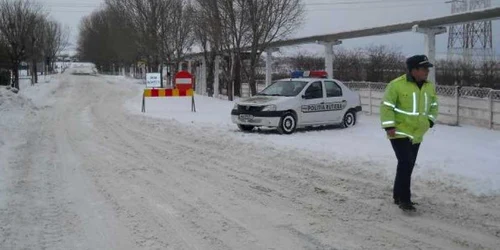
pixel 457 104
pixel 216 76
pixel 490 109
pixel 370 96
pixel 203 76
pixel 269 62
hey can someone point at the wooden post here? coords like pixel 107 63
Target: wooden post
pixel 143 103
pixel 193 87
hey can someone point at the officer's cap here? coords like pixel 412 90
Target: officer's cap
pixel 418 61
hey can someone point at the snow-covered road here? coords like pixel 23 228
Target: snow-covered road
pixel 85 173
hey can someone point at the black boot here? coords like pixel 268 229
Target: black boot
pixel 407 206
pixel 397 202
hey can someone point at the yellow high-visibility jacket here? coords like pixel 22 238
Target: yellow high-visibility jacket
pixel 408 108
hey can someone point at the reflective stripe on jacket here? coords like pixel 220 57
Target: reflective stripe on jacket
pixel 409 108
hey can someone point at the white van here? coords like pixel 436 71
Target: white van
pixel 288 104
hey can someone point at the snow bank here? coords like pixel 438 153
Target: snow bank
pixel 15 107
pixel 16 110
pixel 40 94
pixel 464 157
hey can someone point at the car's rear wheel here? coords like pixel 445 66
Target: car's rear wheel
pixel 349 119
pixel 245 128
pixel 288 124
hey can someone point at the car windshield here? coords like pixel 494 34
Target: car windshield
pixel 284 88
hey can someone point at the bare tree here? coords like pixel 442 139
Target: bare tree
pixel 181 29
pixel 106 40
pixel 307 61
pixel 349 64
pixel 489 74
pixel 56 40
pixel 17 20
pixel 232 36
pixel 146 18
pixel 269 21
pixel 4 55
pixel 209 34
pixel 237 30
pixel 446 73
pixel 4 63
pixel 154 31
pixel 241 30
pixel 465 70
pixel 465 73
pixel 383 63
pixel 94 43
pixel 35 45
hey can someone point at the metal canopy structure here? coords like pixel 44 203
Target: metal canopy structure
pixel 480 15
pixel 429 27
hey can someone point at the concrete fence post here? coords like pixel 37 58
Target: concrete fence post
pixel 457 105
pixel 490 109
pixel 370 98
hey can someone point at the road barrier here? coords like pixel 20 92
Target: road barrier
pixel 183 88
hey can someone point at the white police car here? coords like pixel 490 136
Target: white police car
pixel 288 104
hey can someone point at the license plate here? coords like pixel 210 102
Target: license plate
pixel 246 117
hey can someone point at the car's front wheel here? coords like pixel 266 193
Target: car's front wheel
pixel 288 124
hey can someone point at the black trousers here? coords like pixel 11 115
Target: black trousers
pixel 406 153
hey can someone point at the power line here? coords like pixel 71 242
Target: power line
pixel 370 2
pixel 78 8
pixel 370 7
pixel 378 2
pixel 354 2
pixel 346 5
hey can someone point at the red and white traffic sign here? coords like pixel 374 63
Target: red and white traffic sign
pixel 183 80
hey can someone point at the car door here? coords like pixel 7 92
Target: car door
pixel 335 101
pixel 312 103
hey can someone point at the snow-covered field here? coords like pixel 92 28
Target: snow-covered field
pixel 83 168
pixel 465 157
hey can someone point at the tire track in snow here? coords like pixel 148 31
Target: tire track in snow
pixel 177 141
pixel 226 195
pixel 363 197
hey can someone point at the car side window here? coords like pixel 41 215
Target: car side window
pixel 315 90
pixel 332 89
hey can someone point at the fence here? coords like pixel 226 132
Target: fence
pixel 457 105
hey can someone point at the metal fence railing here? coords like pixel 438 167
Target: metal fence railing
pixel 458 105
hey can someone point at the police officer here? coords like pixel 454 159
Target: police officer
pixel 408 109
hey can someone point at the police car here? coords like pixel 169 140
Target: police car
pixel 288 104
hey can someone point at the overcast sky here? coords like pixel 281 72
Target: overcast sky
pixel 322 17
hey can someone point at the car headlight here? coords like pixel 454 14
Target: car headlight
pixel 235 106
pixel 269 108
